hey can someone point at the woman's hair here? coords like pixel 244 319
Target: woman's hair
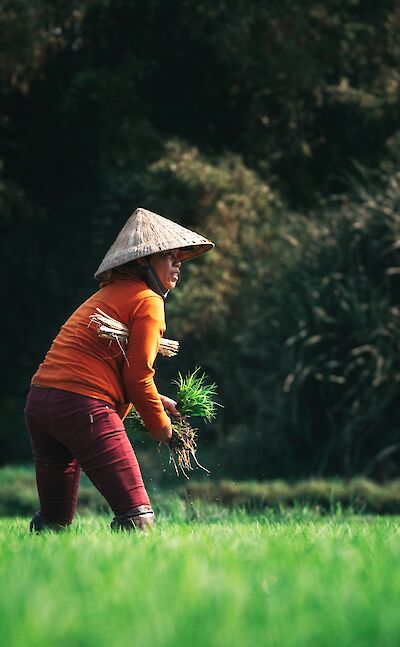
pixel 131 268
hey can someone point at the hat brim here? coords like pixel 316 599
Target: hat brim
pixel 146 233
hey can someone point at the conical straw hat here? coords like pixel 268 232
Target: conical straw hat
pixel 147 233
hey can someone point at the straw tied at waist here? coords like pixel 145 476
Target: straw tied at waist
pixel 116 331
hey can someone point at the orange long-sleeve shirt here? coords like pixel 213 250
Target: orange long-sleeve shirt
pixel 82 362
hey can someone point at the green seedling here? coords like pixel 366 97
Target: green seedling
pixel 194 399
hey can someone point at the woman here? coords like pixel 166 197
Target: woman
pixel 82 390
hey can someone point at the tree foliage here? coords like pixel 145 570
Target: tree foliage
pixel 244 120
pixel 296 318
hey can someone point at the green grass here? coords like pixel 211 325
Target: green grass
pixel 225 579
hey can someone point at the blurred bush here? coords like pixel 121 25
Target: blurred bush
pixel 358 495
pixel 296 318
pixel 210 500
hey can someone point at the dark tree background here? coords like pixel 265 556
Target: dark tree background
pixel 273 128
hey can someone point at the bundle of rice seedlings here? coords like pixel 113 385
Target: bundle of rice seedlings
pixel 182 447
pixel 194 398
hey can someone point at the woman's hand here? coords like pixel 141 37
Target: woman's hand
pixel 170 406
pixel 165 433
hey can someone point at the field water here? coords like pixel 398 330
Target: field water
pixel 223 579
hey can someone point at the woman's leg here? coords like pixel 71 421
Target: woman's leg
pixel 107 457
pixel 94 434
pixel 57 471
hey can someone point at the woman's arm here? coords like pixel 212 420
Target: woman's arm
pixel 138 373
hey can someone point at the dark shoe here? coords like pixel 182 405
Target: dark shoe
pixel 40 522
pixel 139 518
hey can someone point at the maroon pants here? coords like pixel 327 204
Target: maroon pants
pixel 69 431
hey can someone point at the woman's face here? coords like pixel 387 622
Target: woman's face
pixel 168 267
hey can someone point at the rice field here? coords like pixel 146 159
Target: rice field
pixel 222 579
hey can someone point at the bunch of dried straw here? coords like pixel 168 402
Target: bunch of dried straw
pixel 116 331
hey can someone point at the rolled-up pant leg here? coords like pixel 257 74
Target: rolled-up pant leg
pixel 68 430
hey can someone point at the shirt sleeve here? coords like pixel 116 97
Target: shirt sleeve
pixel 147 326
